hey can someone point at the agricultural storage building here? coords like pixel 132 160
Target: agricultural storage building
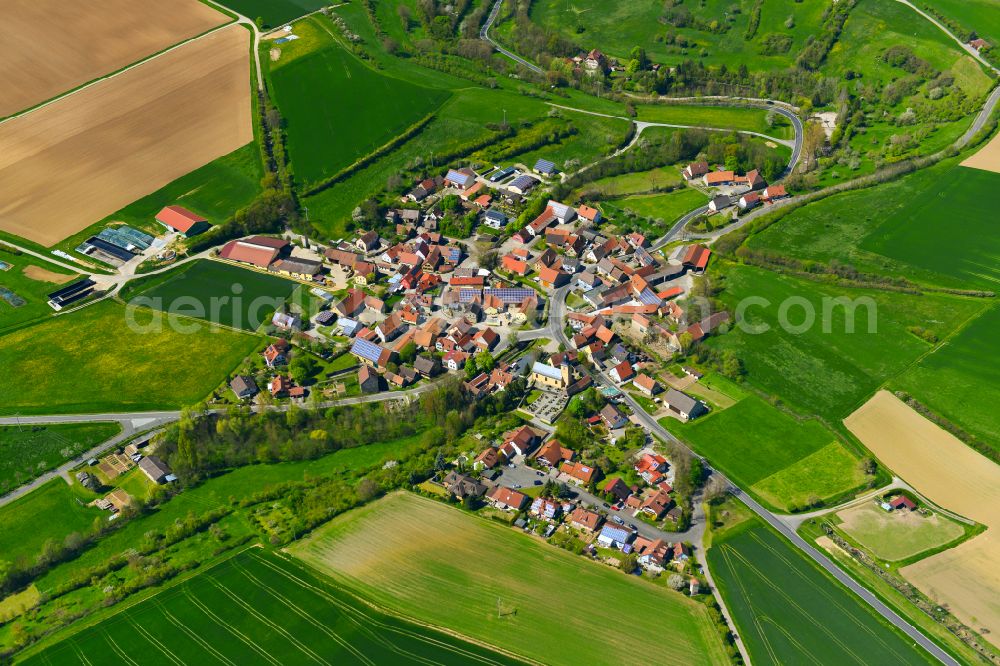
pixel 181 220
pixel 260 251
pixel 157 470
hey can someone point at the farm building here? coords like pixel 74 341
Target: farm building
pixel 259 251
pixel 683 405
pixel 522 184
pixel 71 293
pixel 460 178
pixel 370 353
pixel 157 470
pixel 180 220
pixel 544 167
pixel 368 380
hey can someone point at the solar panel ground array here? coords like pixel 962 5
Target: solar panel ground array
pixel 257 608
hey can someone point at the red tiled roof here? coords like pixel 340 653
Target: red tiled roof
pixel 179 218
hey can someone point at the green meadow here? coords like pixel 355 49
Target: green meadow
pixel 788 462
pixel 338 109
pixel 788 611
pixel 50 512
pixel 618 27
pixel 824 349
pixel 428 560
pixel 725 117
pixel 33 292
pixel 30 450
pixel 96 360
pixel 980 16
pixel 213 291
pixel 667 207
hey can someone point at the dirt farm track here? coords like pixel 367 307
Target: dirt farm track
pixel 75 161
pixel 955 477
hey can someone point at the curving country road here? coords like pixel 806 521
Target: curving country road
pixel 484 34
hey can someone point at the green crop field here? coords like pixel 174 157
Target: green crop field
pixel 338 109
pixel 29 450
pixel 274 12
pixel 723 117
pixel 827 368
pixel 617 28
pixel 789 611
pixel 929 234
pixel 216 292
pixel 93 360
pixel 906 227
pixel 667 207
pixel 434 562
pixel 50 512
pixel 214 191
pixel 959 380
pixel 259 607
pixel 896 535
pixel 33 292
pixel 981 16
pixel 786 462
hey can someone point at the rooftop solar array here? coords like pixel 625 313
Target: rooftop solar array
pixel 366 350
pixel 647 297
pixel 509 294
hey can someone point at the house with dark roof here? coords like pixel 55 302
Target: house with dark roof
pixel 244 387
pixel 158 471
pixel 612 417
pixel 462 486
pixel 618 489
pixel 368 380
pixel 544 167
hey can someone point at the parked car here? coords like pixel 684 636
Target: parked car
pixel 618 520
pixel 607 506
pixel 537 482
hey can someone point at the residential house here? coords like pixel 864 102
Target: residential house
pixel 506 499
pixel 696 257
pixel 653 553
pixel 460 178
pixel 596 61
pixel 370 353
pixel 622 372
pixel 720 202
pixel 584 520
pixel 651 467
pixel 462 486
pixel 546 508
pixel 368 380
pixel 279 386
pixel 276 353
pixel 657 504
pixel 300 269
pixel 391 327
pixel 244 387
pixel 589 214
pixel 695 170
pixel 618 489
pixel 487 459
pixel 717 178
pixel 494 219
pixel 749 200
pixel 578 472
pixel 901 502
pixel 519 442
pixel 614 536
pixel 612 417
pixel 646 384
pixel 455 359
pixel 428 366
pixel 552 453
pixel 774 192
pixel 286 321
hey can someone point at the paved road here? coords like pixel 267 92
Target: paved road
pixel 484 34
pixel 655 428
pixel 971 51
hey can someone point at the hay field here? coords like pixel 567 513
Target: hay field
pixel 955 477
pixel 73 162
pixel 40 274
pixel 439 564
pixel 987 157
pixel 50 47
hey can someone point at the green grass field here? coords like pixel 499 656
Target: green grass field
pixel 51 512
pixel 434 562
pixel 618 27
pixel 259 607
pixel 27 451
pixel 928 233
pixel 786 462
pixel 982 16
pixel 906 227
pixel 896 535
pixel 667 207
pixel 33 292
pixel 634 183
pixel 338 109
pixel 959 380
pixel 274 12
pixel 725 117
pixel 93 360
pixel 788 611
pixel 216 292
pixel 214 191
pixel 826 369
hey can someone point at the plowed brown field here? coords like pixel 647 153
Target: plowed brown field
pixel 52 46
pixel 73 162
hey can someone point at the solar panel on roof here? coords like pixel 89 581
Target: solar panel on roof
pixel 467 295
pixel 367 350
pixel 544 166
pixel 509 295
pixel 647 297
